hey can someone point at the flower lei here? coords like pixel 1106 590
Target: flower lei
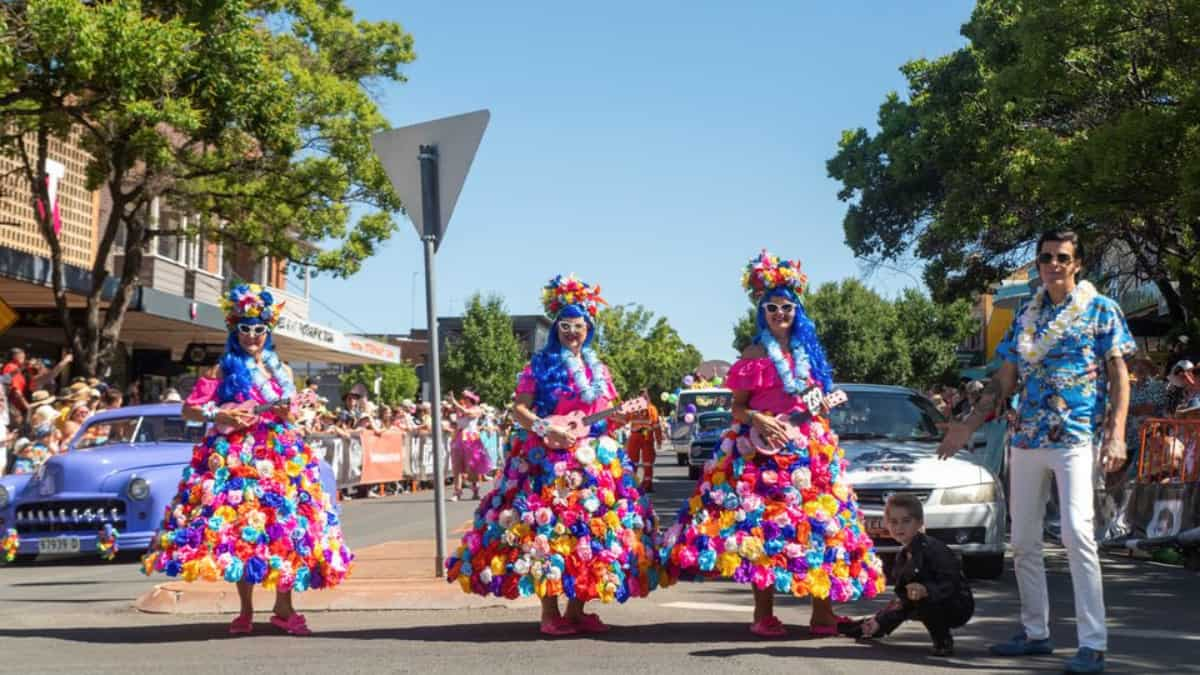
pixel 1033 351
pixel 262 379
pixel 597 388
pixel 795 378
pixel 10 544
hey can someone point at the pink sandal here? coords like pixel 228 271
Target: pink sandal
pixel 557 627
pixel 293 625
pixel 244 623
pixel 768 627
pixel 817 630
pixel 591 623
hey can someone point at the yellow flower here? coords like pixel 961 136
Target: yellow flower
pixel 810 508
pixel 728 562
pixel 563 546
pixel 616 470
pixel 611 520
pixel 818 582
pixel 497 565
pixel 191 570
pixel 465 582
pixel 694 504
pixel 841 491
pixel 841 570
pixel 751 548
pixel 727 520
pixel 829 504
pixel 718 478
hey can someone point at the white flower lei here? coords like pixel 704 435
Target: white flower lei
pixel 598 386
pixel 1033 351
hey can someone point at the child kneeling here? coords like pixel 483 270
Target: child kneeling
pixel 930 585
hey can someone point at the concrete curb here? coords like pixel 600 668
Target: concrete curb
pixel 390 576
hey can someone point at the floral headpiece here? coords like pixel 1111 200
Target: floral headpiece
pixel 250 301
pixel 766 272
pixel 563 291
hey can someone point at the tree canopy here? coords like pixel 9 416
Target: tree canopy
pixel 1084 115
pixel 397 381
pixel 254 114
pixel 643 351
pixel 487 357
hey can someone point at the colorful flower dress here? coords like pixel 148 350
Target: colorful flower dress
pixel 250 508
pixel 787 521
pixel 562 522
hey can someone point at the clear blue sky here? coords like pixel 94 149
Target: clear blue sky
pixel 650 147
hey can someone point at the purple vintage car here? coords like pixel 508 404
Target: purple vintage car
pixel 121 469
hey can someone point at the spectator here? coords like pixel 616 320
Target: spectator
pixel 15 370
pixel 111 399
pixel 133 395
pixel 171 395
pixel 75 419
pixel 1183 390
pixel 27 457
pixel 40 377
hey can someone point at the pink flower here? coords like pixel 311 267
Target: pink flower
pixel 687 557
pixel 762 577
pixel 769 477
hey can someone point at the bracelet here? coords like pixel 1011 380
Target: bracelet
pixel 539 426
pixel 210 411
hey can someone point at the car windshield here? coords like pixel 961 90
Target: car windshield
pixel 139 429
pixel 899 416
pixel 704 402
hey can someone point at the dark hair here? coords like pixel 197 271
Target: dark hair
pixel 1068 236
pixel 907 502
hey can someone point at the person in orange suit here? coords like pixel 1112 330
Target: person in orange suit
pixel 645 436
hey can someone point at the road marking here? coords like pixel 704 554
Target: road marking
pixel 711 606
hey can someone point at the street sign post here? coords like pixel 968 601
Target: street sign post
pixel 427 164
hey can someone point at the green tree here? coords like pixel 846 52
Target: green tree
pixel 1055 114
pixel 487 357
pixel 256 114
pixel 745 330
pixel 397 381
pixel 642 351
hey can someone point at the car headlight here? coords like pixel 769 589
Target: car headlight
pixel 969 494
pixel 3 496
pixel 138 489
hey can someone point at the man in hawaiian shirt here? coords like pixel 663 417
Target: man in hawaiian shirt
pixel 1068 346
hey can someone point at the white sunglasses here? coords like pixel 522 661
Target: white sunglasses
pixel 255 329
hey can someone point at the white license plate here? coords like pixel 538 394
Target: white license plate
pixel 875 527
pixel 59 545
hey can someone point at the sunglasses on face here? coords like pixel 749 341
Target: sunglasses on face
pixel 786 308
pixel 1060 258
pixel 569 328
pixel 254 329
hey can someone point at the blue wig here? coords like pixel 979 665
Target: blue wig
pixel 237 382
pixel 804 335
pixel 549 369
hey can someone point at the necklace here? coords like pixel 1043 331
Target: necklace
pixel 588 392
pixel 1033 349
pixel 795 377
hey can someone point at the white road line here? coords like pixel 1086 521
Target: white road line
pixel 711 606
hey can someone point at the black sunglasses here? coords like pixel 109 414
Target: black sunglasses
pixel 255 329
pixel 1060 258
pixel 786 308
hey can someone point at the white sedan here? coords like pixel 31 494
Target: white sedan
pixel 890 436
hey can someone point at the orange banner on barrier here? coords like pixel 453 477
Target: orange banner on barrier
pixel 1170 451
pixel 385 456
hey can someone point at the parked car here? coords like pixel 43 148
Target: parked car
pixel 122 468
pixel 706 436
pixel 704 400
pixel 890 435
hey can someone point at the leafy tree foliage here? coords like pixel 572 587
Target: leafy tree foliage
pixel 643 351
pixel 398 381
pixel 487 357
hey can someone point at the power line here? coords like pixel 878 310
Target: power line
pixel 339 315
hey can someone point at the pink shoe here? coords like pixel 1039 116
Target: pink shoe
pixel 557 627
pixel 769 627
pixel 243 624
pixel 591 623
pixel 293 625
pixel 816 630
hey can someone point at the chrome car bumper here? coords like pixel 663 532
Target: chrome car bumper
pixel 968 529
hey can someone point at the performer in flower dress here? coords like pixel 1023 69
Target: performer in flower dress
pixel 469 459
pixel 250 508
pixel 781 518
pixel 566 518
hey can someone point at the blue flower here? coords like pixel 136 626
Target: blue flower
pixel 173 568
pixel 707 560
pixel 525 586
pixel 250 534
pixel 783 581
pixel 256 570
pixel 233 573
pixel 302 579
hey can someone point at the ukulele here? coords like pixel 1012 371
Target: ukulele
pixel 578 425
pixel 814 401
pixel 252 408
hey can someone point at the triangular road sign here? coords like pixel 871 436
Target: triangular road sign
pixel 457 138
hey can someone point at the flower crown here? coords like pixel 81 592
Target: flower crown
pixel 563 291
pixel 766 272
pixel 250 301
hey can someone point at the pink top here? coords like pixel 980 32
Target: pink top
pixel 526 384
pixel 759 377
pixel 205 390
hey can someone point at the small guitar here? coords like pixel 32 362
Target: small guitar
pixel 815 402
pixel 252 408
pixel 578 425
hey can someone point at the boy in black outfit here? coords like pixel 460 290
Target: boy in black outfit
pixel 930 584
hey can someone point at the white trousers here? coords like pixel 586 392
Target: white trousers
pixel 1074 470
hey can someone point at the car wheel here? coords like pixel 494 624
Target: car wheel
pixel 694 472
pixel 984 566
pixel 681 460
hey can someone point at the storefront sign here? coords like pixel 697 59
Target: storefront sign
pixel 307 331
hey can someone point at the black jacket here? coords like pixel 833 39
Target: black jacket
pixel 931 563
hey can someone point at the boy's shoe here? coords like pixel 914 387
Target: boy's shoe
pixel 1020 645
pixel 943 647
pixel 1086 660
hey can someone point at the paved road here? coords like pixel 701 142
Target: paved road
pixel 76 617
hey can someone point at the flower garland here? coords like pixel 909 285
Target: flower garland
pixel 10 544
pixel 598 386
pixel 765 272
pixel 262 380
pixel 563 291
pixel 795 378
pixel 250 301
pixel 106 542
pixel 1033 351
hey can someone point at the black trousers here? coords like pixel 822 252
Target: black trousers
pixel 938 617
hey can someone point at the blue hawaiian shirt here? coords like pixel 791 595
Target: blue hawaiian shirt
pixel 1063 397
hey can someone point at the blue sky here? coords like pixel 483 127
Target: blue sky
pixel 652 148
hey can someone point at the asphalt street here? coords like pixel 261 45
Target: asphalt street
pixel 76 616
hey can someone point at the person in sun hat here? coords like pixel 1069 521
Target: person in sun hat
pixel 250 509
pixel 566 517
pixel 468 458
pixel 778 514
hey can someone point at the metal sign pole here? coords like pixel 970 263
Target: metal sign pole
pixel 427 155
